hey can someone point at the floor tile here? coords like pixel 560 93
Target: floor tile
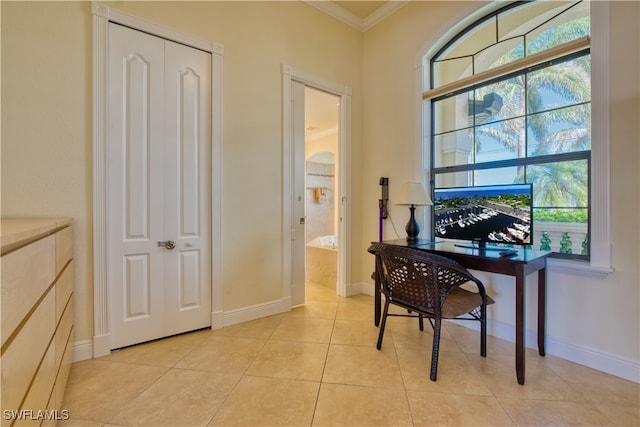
pixel 259 401
pixel 354 332
pixel 533 412
pixel 358 365
pixel 307 329
pixel 320 309
pixel 164 352
pixel 223 354
pixel 318 366
pixel 357 307
pixel 498 372
pixel 179 398
pixel 96 389
pixel 450 409
pixel 455 373
pixel 348 405
pixel 259 328
pixel 290 359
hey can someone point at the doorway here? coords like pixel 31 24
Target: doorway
pixel 295 191
pixel 321 208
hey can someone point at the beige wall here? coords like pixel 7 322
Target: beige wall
pixel 584 313
pixel 46 126
pixel 47 115
pixel 47 141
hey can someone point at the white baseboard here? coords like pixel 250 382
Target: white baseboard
pixel 217 319
pixel 598 360
pixel 258 311
pixel 581 355
pixel 82 350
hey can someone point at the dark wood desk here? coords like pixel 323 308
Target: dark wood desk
pixel 524 263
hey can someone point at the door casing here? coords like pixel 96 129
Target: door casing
pixel 289 75
pixel 102 15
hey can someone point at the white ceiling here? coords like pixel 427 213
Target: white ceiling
pixel 321 113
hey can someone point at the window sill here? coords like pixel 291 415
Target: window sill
pixel 578 268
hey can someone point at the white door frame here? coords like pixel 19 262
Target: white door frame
pixel 102 15
pixel 290 74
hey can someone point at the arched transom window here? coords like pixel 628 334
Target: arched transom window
pixel 510 103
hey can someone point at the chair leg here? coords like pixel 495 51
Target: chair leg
pixel 421 322
pixel 436 348
pixel 383 322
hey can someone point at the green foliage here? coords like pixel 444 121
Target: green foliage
pixel 557 215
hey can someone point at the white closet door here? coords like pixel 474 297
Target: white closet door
pixel 158 178
pixel 187 177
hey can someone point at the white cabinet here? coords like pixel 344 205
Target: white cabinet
pixel 37 318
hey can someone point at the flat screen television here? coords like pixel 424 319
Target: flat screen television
pixel 485 214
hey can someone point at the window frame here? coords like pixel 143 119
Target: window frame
pixel 599 264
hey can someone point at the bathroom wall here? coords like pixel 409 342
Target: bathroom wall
pixel 320 196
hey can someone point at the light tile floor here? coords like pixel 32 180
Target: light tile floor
pixel 318 366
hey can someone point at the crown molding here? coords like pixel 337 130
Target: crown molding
pixel 383 12
pixel 360 24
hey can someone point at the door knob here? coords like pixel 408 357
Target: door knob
pixel 169 244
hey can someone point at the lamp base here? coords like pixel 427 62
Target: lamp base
pixel 412 228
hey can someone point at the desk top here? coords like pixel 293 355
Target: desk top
pixel 459 251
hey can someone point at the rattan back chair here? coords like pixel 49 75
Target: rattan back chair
pixel 428 286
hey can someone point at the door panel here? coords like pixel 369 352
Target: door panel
pixel 187 188
pixel 136 198
pixel 159 187
pixel 298 218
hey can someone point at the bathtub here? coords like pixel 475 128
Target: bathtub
pixel 321 261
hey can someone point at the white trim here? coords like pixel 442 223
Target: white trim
pixel 114 15
pixel 102 15
pixel 578 268
pixel 217 294
pixel 600 134
pixel 290 74
pixel 354 21
pixel 100 289
pixel 82 350
pixel 382 13
pixel 604 362
pixel 258 311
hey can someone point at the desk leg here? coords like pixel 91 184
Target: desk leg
pixel 542 303
pixel 520 317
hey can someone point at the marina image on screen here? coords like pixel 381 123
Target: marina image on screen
pixel 484 214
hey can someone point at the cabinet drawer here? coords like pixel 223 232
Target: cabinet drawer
pixel 26 274
pixel 42 387
pixel 64 288
pixel 63 372
pixel 21 359
pixel 63 331
pixel 64 247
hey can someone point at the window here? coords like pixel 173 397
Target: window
pixel 510 102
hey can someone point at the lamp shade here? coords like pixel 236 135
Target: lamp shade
pixel 413 193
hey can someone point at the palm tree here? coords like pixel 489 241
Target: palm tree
pixel 551 128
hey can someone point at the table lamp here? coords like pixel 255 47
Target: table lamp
pixel 413 194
